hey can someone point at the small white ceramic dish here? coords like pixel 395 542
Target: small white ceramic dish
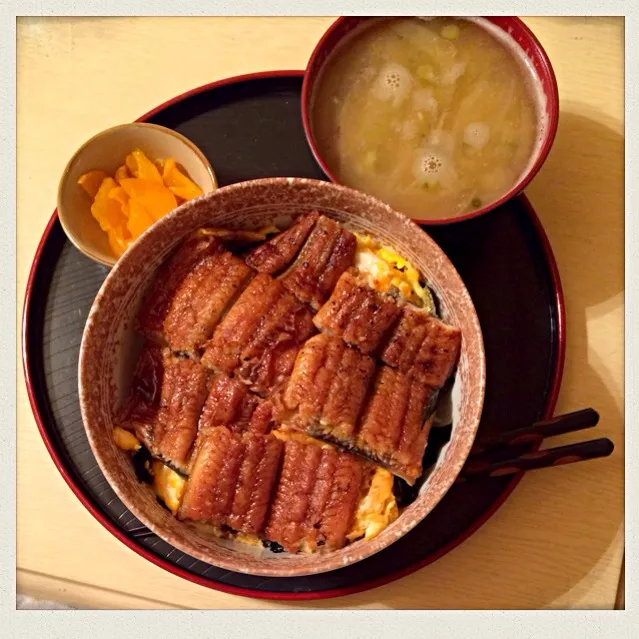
pixel 107 151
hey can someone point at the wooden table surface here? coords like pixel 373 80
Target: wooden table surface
pixel 558 540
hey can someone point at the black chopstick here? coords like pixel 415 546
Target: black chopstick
pixel 523 438
pixel 569 454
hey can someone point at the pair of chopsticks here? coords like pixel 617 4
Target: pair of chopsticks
pixel 509 453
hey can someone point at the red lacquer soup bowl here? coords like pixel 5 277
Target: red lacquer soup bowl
pixel 518 39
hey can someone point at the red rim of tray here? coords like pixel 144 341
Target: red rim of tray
pixel 511 24
pixel 247 592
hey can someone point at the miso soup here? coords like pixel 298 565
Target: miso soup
pixel 437 117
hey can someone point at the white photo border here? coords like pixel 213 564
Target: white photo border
pixel 353 624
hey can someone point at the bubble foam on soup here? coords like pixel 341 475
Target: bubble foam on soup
pixel 393 83
pixel 437 117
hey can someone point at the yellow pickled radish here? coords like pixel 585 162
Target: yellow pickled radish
pixel 106 186
pixel 119 195
pixel 141 167
pixel 122 173
pixel 108 213
pixel 178 183
pixel 91 181
pixel 117 242
pixel 139 218
pixel 140 193
pixel 156 198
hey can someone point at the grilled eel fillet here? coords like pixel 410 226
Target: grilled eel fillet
pixel 423 344
pixel 316 497
pixel 260 336
pixel 404 336
pixel 191 293
pixel 395 422
pixel 327 253
pixel 327 389
pixel 230 404
pixel 357 313
pixel 338 394
pixel 301 494
pixel 165 402
pixel 277 253
pixel 167 280
pixel 232 479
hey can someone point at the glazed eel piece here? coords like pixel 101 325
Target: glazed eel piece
pixel 191 293
pixel 394 426
pixel 327 253
pixel 327 389
pixel 423 344
pixel 277 253
pixel 316 497
pixel 357 313
pixel 232 405
pixel 398 333
pixel 303 495
pixel 259 338
pixel 338 394
pixel 164 404
pixel 231 480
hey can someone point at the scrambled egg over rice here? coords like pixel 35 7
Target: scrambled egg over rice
pixel 388 272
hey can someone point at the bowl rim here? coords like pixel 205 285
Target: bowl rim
pixel 546 71
pixel 94 138
pixel 334 559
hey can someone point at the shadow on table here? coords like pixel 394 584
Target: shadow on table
pixel 579 196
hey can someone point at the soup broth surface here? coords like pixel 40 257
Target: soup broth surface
pixel 434 116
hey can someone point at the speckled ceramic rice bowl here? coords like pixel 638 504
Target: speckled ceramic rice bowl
pixel 110 345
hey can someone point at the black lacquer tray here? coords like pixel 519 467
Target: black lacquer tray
pixel 250 127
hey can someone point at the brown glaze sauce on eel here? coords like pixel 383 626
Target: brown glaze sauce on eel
pixel 277 429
